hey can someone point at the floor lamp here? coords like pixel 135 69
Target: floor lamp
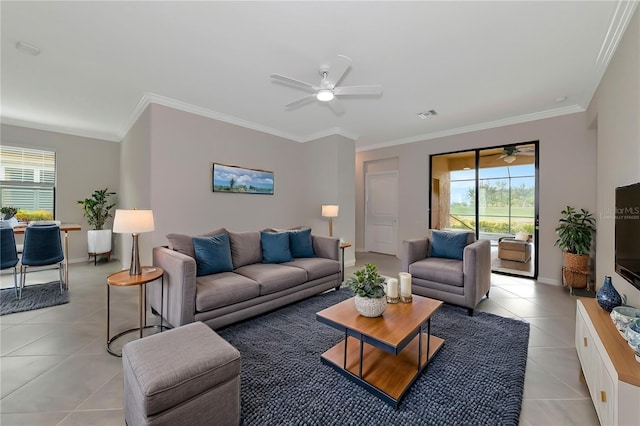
pixel 133 222
pixel 330 211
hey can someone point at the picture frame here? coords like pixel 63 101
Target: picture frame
pixel 241 180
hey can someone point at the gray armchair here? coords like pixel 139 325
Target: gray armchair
pixel 460 282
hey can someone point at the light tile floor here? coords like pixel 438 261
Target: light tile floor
pixel 54 369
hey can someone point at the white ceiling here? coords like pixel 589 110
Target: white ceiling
pixel 479 64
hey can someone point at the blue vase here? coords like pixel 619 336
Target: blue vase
pixel 607 297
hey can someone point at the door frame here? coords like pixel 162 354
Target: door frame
pixel 367 239
pixel 536 226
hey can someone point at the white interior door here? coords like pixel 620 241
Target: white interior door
pixel 381 218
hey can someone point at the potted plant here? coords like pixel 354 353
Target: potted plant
pixel 8 212
pixel 370 299
pixel 97 210
pixel 575 234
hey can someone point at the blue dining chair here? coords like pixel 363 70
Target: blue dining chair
pixel 42 247
pixel 9 253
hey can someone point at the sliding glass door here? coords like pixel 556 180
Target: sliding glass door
pixel 491 192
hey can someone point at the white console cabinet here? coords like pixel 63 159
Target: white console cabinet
pixel 608 365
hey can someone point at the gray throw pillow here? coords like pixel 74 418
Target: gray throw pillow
pixel 183 243
pixel 245 248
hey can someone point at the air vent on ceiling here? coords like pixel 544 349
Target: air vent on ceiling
pixel 425 114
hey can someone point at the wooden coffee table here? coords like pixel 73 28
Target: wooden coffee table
pixel 385 355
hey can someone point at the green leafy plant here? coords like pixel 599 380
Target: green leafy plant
pixel 97 209
pixel 8 212
pixel 367 282
pixel 575 231
pixel 32 215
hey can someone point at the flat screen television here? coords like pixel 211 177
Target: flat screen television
pixel 627 233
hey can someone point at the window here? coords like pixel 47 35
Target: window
pixel 28 178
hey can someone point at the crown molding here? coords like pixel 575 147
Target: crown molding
pixel 152 98
pixel 618 25
pixel 85 133
pixel 330 132
pixel 476 127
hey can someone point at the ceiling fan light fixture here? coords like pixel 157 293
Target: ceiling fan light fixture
pixel 325 95
pixel 510 159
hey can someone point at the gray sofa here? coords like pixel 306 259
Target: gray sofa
pixel 250 288
pixel 460 282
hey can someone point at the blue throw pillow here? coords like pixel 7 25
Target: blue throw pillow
pixel 213 254
pixel 449 245
pixel 300 243
pixel 275 247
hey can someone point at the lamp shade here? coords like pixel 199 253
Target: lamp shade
pixel 133 221
pixel 329 210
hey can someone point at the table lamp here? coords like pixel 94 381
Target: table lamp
pixel 330 211
pixel 133 222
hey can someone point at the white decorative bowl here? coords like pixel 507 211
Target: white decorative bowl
pixel 633 337
pixel 622 316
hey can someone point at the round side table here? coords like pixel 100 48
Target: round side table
pixel 123 279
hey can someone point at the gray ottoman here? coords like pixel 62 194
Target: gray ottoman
pixel 185 376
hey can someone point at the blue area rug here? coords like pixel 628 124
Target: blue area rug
pixel 35 296
pixel 477 378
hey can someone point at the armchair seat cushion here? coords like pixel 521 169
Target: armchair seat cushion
pixel 441 270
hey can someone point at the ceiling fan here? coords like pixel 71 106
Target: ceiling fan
pixel 328 89
pixel 509 153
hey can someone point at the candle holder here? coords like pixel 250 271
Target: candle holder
pixel 406 299
pixel 405 287
pixel 392 291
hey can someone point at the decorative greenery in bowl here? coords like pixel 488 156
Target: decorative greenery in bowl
pixel 8 212
pixel 367 282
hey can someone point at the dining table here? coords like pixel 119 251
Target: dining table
pixel 66 228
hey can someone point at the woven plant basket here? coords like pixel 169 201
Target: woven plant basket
pixel 575 273
pixel 370 307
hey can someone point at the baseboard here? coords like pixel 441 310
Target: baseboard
pixel 550 281
pixel 348 263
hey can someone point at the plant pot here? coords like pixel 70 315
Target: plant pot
pixel 99 242
pixel 370 307
pixel 576 270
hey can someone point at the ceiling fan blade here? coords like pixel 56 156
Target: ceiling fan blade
pixel 302 101
pixel 336 106
pixel 527 153
pixel 293 82
pixel 337 68
pixel 358 90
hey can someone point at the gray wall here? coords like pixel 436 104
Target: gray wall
pixel 567 164
pixel 83 165
pixel 615 111
pixel 166 166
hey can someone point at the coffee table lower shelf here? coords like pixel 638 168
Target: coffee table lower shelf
pixel 384 374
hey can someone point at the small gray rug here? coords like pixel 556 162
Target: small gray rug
pixel 477 378
pixel 35 296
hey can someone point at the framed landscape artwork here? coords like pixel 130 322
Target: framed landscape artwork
pixel 225 178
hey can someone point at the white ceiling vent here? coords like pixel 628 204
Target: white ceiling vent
pixel 426 114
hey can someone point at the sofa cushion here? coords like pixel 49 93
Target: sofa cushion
pixel 213 254
pixel 448 245
pixel 300 243
pixel 245 248
pixel 275 247
pixel 316 267
pixel 224 289
pixel 273 277
pixel 441 270
pixel 183 243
